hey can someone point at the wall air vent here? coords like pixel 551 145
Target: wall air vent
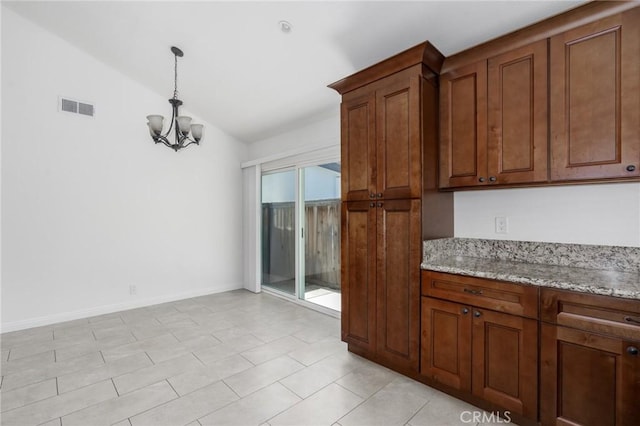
pixel 76 107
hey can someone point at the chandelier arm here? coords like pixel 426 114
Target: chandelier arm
pixel 162 139
pixel 191 141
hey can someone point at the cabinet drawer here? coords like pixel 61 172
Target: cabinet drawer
pixel 599 314
pixel 499 296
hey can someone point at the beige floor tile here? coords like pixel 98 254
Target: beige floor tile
pixel 86 347
pixel 30 349
pixel 445 410
pixel 23 337
pixel 28 394
pixel 316 332
pixel 188 408
pixel 322 408
pixel 231 346
pixel 204 375
pixel 121 408
pixel 125 422
pixel 273 349
pixel 38 374
pixel 155 373
pixel 182 348
pixel 54 422
pixel 106 371
pixel 394 404
pixel 367 379
pixel 253 409
pixel 311 379
pixel 314 352
pixel 35 361
pixel 262 375
pixel 190 332
pixel 157 342
pixel 58 406
pixel 228 333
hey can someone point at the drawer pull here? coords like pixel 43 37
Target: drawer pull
pixel 632 319
pixel 632 350
pixel 471 291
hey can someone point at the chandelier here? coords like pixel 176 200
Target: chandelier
pixel 182 123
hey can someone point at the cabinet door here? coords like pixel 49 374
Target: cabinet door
pixel 505 361
pixel 358 145
pixel 517 114
pixel 398 260
pixel 358 274
pixel 463 126
pixel 594 100
pixel 445 346
pixel 588 379
pixel 399 153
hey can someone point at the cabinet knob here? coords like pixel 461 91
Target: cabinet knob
pixel 477 314
pixel 465 311
pixel 372 204
pixel 379 194
pixel 631 168
pixel 632 319
pixel 492 179
pixel 379 204
pixel 372 195
pixel 481 179
pixel 632 350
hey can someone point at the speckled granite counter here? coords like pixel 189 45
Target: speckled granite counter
pixel 605 270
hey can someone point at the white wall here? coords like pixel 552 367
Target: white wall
pixel 91 206
pixel 324 133
pixel 606 214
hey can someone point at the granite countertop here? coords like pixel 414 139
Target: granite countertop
pixel 609 271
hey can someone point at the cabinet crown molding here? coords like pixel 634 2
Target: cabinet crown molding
pixel 544 29
pixel 424 53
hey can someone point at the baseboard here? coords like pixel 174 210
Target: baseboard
pixel 108 309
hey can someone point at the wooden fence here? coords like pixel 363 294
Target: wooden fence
pixel 322 242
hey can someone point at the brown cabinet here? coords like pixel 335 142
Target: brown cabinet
pixel 380 279
pixel 389 144
pixel 358 277
pixel 590 361
pixel 554 102
pixel 594 99
pixel 468 345
pixel 358 178
pixel 493 116
pixel 381 139
pixel 398 253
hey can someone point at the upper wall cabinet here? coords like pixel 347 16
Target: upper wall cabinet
pixel 381 143
pixel 555 102
pixel 493 118
pixel 595 100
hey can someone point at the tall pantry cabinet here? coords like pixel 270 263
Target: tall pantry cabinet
pixel 390 202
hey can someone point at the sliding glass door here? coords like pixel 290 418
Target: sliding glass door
pixel 278 231
pixel 301 233
pixel 321 221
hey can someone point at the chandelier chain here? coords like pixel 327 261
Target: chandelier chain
pixel 175 77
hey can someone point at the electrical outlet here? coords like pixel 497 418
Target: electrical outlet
pixel 133 290
pixel 502 225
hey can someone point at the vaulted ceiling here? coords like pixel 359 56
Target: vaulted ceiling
pixel 241 73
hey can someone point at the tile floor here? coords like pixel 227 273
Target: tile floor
pixel 234 358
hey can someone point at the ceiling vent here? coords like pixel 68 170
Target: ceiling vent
pixel 76 107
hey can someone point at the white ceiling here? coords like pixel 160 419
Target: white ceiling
pixel 241 73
